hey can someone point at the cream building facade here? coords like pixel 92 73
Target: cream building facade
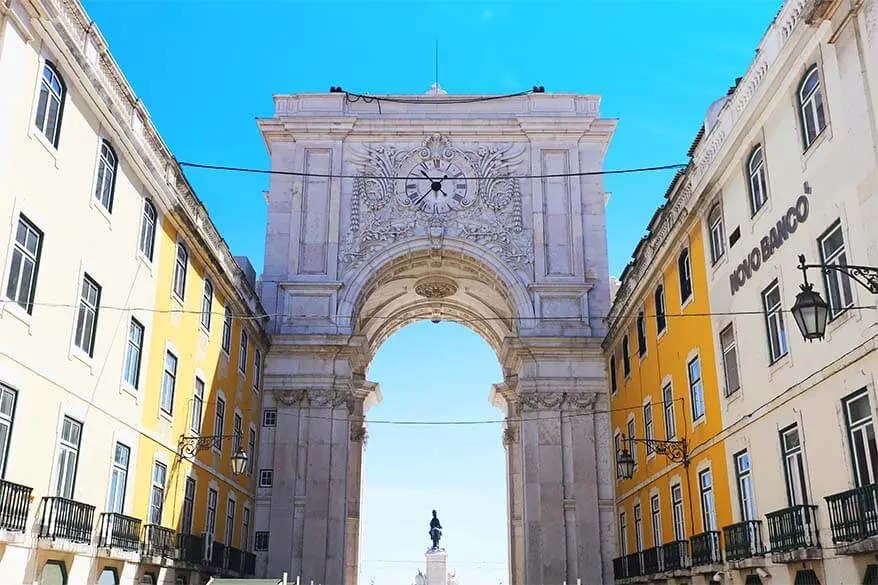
pixel 428 221
pixel 786 165
pixel 116 289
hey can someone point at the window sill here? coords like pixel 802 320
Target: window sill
pixel 836 322
pixel 35 134
pixel 12 308
pixel 77 353
pixel 146 262
pixel 177 301
pixel 778 364
pixel 163 414
pixel 699 421
pixel 661 333
pixel 105 213
pixel 127 388
pixel 687 302
pixel 720 262
pixel 824 136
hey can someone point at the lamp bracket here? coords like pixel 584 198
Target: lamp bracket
pixel 676 451
pixel 866 276
pixel 189 446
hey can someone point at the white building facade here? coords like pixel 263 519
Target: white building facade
pixel 787 164
pixel 429 221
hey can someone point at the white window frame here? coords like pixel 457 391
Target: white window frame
pixel 706 497
pixel 655 513
pixel 717 233
pixel 729 349
pixel 839 292
pixel 85 339
pixel 118 478
pixel 632 433
pixel 623 534
pixel 67 449
pixel 261 540
pixel 661 318
pixel 670 413
pixel 865 470
pixel 640 327
pixel 266 478
pixel 778 345
pixel 677 513
pixel 227 330
pixel 626 357
pixel 614 381
pixel 8 404
pixel 638 528
pixel 744 483
pixel 197 405
pixel 206 304
pixel 251 449
pixel 257 369
pixel 157 493
pixel 19 293
pixel 758 183
pixel 169 383
pixel 696 388
pixel 242 351
pixel 811 105
pixel 793 458
pixel 219 422
pixel 245 528
pixel 269 417
pixel 181 268
pixel 56 94
pixel 648 428
pixel 231 512
pixel 133 355
pixel 210 514
pixel 187 513
pixel 684 275
pixel 105 175
pixel 148 225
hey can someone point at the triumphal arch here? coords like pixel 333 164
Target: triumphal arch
pixel 391 209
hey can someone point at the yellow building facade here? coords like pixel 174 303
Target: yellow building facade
pixel 665 406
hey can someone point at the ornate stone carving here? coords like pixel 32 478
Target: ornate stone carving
pixel 510 434
pixel 317 399
pixel 358 431
pixel 435 287
pixel 568 401
pixel 380 213
pixel 580 402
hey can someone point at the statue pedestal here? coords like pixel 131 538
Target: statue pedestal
pixel 436 566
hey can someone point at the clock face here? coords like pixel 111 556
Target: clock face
pixel 437 186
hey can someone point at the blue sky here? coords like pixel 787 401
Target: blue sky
pixel 206 69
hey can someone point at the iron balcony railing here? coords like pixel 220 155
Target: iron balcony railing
pixel 14 506
pixel 743 540
pixel 191 547
pixel 853 515
pixel 66 519
pixel 652 560
pixel 620 568
pixel 633 564
pixel 159 541
pixel 793 528
pixel 119 531
pixel 249 564
pixel 675 555
pixel 218 558
pixel 235 559
pixel 705 548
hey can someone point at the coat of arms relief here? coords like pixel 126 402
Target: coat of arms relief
pixel 437 189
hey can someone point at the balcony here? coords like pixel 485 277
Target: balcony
pixel 191 548
pixel 249 564
pixel 853 518
pixel 68 520
pixel 675 555
pixel 705 549
pixel 159 541
pixel 793 534
pixel 628 566
pixel 14 506
pixel 218 556
pixel 119 531
pixel 743 540
pixel 235 558
pixel 651 560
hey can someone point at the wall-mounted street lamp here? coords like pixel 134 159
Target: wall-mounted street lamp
pixel 189 446
pixel 676 451
pixel 810 310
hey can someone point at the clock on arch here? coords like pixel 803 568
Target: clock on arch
pixel 437 179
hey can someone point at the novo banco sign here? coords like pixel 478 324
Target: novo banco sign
pixel 786 225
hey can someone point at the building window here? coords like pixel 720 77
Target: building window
pixel 26 251
pixel 641 334
pixel 87 315
pixel 106 177
pixel 758 184
pixel 197 405
pixel 794 466
pixel 8 401
pixel 777 335
pixel 181 264
pixel 861 434
pixel 811 106
pixel 257 369
pixel 677 511
pixel 50 107
pixel 269 417
pixel 210 517
pixel 613 381
pixel 266 478
pixel 660 319
pixel 206 304
pixel 133 351
pixel 670 415
pixel 626 357
pixel 68 457
pixel 632 433
pixel 617 441
pixel 53 573
pixel 623 534
pixel 157 494
pixel 730 359
pixel 245 529
pixel 838 284
pixel 188 506
pixel 242 353
pixel 227 330
pixel 230 521
pixel 251 446
pixel 717 233
pixel 108 577
pixel 169 382
pixel 745 486
pixel 118 478
pixel 684 270
pixel 648 430
pixel 237 430
pixel 218 422
pixel 147 229
pixel 708 511
pixel 638 528
pixel 655 513
pixel 261 541
pixel 696 389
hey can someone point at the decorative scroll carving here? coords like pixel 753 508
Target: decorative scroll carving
pixel 358 431
pixel 317 399
pixel 380 213
pixel 435 287
pixel 569 401
pixel 510 434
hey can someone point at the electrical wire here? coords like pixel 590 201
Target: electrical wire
pixel 236 169
pixel 429 99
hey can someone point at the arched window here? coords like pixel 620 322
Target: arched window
pixel 660 320
pixel 641 334
pixel 180 265
pixel 105 182
pixel 53 573
pixel 147 229
pixel 50 104
pixel 206 304
pixel 758 185
pixel 684 270
pixel 108 577
pixel 811 106
pixel 717 233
